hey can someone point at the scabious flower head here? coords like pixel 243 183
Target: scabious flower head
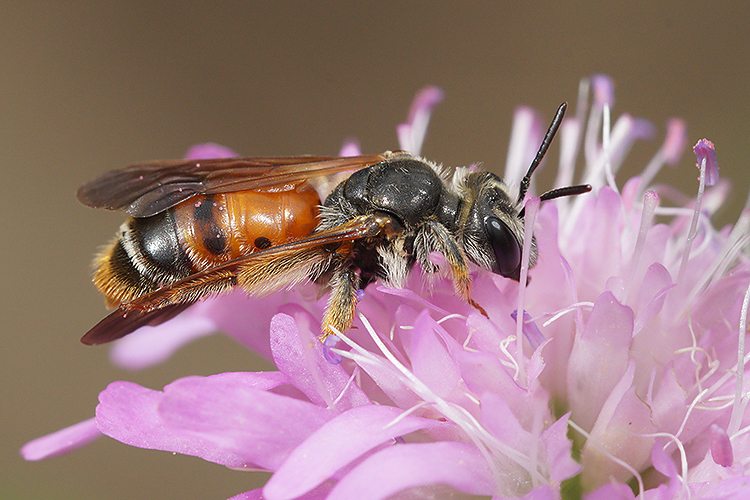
pixel 623 376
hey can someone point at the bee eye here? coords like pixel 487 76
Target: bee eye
pixel 505 246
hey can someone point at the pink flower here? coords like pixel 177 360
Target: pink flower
pixel 626 355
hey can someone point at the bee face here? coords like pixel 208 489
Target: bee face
pixel 205 227
pixel 493 231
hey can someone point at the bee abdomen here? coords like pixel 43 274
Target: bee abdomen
pixel 199 234
pixel 146 256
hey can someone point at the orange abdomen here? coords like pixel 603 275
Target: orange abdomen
pixel 200 233
pixel 221 227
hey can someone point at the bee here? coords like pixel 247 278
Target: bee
pixel 203 227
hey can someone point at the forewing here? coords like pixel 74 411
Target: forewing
pixel 122 322
pixel 147 189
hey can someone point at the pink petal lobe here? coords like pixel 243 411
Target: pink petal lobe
pixel 431 362
pixel 483 372
pixel 558 447
pixel 318 494
pixel 544 492
pixel 620 428
pixel 664 463
pixel 404 466
pixel 706 152
pixel 601 349
pixel 247 319
pixel 337 443
pixel 598 256
pixel 151 345
pixel 410 295
pixel 62 442
pixel 611 491
pixel 249 495
pixel 298 353
pixel 498 418
pixel 651 295
pixel 228 419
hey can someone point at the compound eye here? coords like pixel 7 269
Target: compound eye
pixel 506 248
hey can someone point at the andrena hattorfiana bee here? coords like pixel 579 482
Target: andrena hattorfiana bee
pixel 200 228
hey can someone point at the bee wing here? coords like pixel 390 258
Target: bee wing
pixel 258 273
pixel 122 322
pixel 147 189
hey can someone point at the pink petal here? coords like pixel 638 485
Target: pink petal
pixel 498 418
pixel 558 447
pixel 483 372
pixel 227 419
pixel 544 492
pixel 601 349
pixel 208 151
pixel 128 412
pixel 397 468
pixel 624 419
pixel 62 442
pixel 597 256
pixel 151 345
pixel 319 494
pixel 299 354
pixel 663 463
pixel 337 443
pixel 391 384
pixel 248 319
pixel 536 367
pixel 430 361
pixel 249 495
pixel 705 151
pixel 651 295
pixel 486 335
pixel 611 491
pixel 410 295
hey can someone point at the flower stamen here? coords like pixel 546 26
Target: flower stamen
pixel 650 202
pixel 738 410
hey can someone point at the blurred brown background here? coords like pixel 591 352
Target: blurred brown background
pixel 90 86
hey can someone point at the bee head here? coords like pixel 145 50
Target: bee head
pixel 492 225
pixel 493 231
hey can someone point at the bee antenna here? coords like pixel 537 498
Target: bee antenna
pixel 565 191
pixel 559 193
pixel 551 131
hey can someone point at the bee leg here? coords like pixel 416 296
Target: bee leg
pixel 342 303
pixel 445 243
pixel 442 241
